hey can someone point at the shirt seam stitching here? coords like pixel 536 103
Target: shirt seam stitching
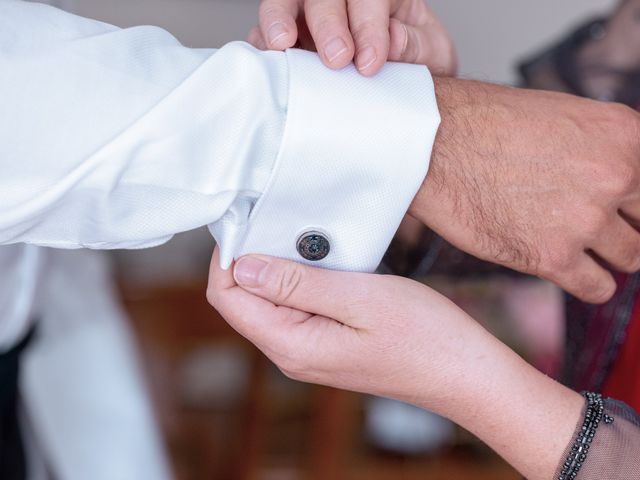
pixel 279 156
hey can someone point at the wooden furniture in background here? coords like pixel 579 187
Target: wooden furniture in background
pixel 237 444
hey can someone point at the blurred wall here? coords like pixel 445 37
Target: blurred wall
pixel 491 34
pixel 197 23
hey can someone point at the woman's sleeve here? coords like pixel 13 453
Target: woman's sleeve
pixel 606 444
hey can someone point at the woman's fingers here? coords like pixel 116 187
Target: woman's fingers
pixel 329 26
pixel 303 345
pixel 256 39
pixel 398 40
pixel 219 279
pixel 336 295
pixel 427 45
pixel 368 32
pixel 369 24
pixel 277 21
pixel 338 29
pixel 254 317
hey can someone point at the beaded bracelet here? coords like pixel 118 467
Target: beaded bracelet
pixel 593 415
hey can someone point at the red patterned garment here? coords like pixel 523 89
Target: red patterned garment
pixel 603 344
pixel 623 382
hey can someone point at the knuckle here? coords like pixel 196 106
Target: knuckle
pixel 628 178
pixel 595 222
pixel 269 9
pixel 621 180
pixel 591 286
pixel 562 267
pixel 614 169
pixel 365 31
pixel 418 53
pixel 293 364
pixel 618 121
pixel 597 290
pixel 559 259
pixel 634 263
pixel 287 282
pixel 326 22
pixel 632 256
pixel 624 122
pixel 623 116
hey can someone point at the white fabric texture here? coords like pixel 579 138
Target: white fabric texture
pixel 82 390
pixel 115 138
pixel 349 167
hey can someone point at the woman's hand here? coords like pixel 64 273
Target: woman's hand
pixel 367 31
pixel 394 337
pixel 372 333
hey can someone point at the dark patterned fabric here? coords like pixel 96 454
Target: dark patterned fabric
pixel 601 354
pixel 595 335
pixel 581 64
pixel 613 452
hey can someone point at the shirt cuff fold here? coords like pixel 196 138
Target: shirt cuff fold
pixel 355 151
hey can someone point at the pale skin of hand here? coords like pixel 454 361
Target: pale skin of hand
pixel 393 337
pixel 367 32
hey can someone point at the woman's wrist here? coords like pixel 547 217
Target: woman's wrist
pixel 526 417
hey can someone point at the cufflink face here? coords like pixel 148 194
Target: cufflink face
pixel 313 246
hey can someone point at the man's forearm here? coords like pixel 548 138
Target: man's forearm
pixel 534 181
pixel 467 171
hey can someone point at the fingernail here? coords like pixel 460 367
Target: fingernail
pixel 248 270
pixel 334 48
pixel 365 58
pixel 276 32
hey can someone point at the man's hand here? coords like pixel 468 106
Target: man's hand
pixel 369 31
pixel 540 182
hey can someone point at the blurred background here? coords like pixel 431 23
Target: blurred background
pixel 220 409
pixel 491 35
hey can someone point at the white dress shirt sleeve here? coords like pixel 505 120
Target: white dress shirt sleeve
pixel 120 138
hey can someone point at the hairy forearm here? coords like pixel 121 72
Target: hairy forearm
pixel 534 181
pixel 468 170
pixel 455 102
pixel 471 147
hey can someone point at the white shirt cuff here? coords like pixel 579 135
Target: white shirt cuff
pixel 354 153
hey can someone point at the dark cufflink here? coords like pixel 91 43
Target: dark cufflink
pixel 313 246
